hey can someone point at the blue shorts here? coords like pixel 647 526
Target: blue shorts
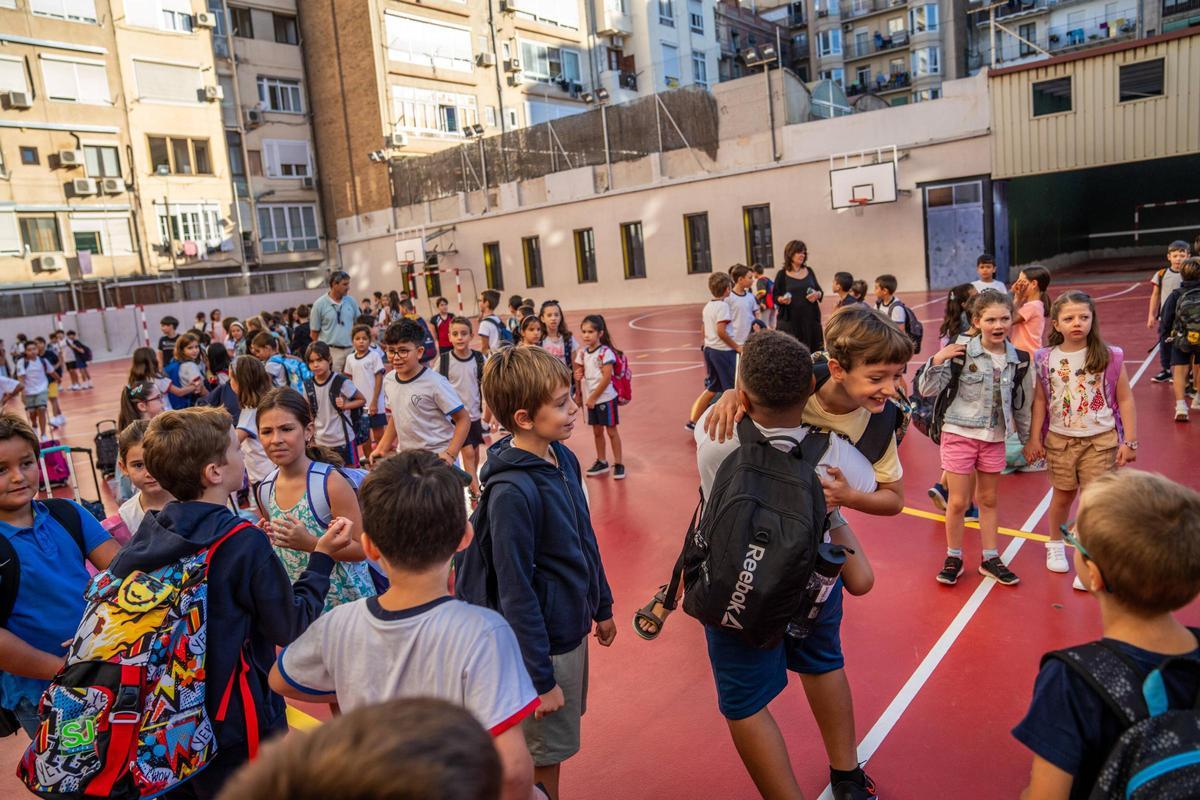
pixel 720 366
pixel 377 421
pixel 749 678
pixel 604 414
pixel 1179 358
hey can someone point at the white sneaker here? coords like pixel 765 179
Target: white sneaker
pixel 1056 557
pixel 87 385
pixel 1181 411
pixel 1078 584
pixel 1196 402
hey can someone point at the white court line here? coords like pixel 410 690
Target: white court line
pixel 908 692
pixel 633 323
pixel 666 371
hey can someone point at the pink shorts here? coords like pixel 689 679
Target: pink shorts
pixel 963 456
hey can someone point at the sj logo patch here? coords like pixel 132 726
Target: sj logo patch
pixel 77 734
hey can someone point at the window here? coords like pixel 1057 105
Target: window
pixel 12 75
pixel 179 154
pixel 280 94
pixel 168 83
pixel 102 234
pixel 428 111
pixel 1141 80
pixel 40 234
pixel 513 122
pixel 101 161
pixel 532 249
pixel 1051 97
pixel 538 111
pixel 837 75
pixel 285 29
pixel 88 241
pixel 287 227
pixel 286 158
pixel 633 250
pixel 75 80
pixel 896 66
pixel 926 94
pixel 428 43
pixel 757 223
pixel 191 222
pixel 491 266
pixel 551 12
pixel 666 13
pixel 1028 33
pixel 862 76
pixel 696 16
pixel 585 255
pixel 923 18
pixel 242 21
pixel 927 61
pixel 74 10
pixel 670 64
pixel 549 64
pixel 829 43
pixel 29 156
pixel 699 249
pixel 700 70
pixel 490 116
pixel 166 15
pixel 896 25
pixel 10 234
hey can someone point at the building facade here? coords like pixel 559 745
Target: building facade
pixel 1023 31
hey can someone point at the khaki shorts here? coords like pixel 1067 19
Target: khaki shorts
pixel 1075 461
pixel 555 737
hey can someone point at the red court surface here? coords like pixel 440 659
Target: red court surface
pixel 940 674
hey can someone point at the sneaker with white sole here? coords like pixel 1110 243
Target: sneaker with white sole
pixel 1078 584
pixel 1162 377
pixel 952 570
pixel 999 571
pixel 937 493
pixel 618 472
pixel 1056 557
pixel 598 468
pixel 1196 403
pixel 1181 411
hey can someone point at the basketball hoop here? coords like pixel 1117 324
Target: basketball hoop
pixel 859 204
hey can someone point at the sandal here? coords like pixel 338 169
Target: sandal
pixel 646 614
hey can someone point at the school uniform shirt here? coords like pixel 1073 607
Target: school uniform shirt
pixel 593 370
pixel 464 377
pixel 852 426
pixel 994 285
pixel 421 407
pixel 189 371
pixel 362 371
pixel 895 311
pixel 490 330
pixel 840 453
pixel 716 311
pixel 1167 281
pixel 332 430
pixel 277 371
pixel 1077 405
pixel 463 654
pixel 7 385
pixel 744 310
pixel 37 378
pixel 49 602
pixel 258 466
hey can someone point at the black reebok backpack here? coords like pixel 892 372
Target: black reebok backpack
pixel 1185 332
pixel 747 563
pixel 1158 754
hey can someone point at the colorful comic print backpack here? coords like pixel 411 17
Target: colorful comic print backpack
pixel 125 717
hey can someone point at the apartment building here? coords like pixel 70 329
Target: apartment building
pixel 1022 31
pixel 740 26
pixel 643 47
pixel 265 114
pixel 792 17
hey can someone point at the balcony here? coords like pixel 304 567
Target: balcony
pixel 1058 39
pixel 862 48
pixel 1170 9
pixel 1024 8
pixel 615 23
pixel 864 8
pixel 883 84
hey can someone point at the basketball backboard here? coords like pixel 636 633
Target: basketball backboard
pixel 410 250
pixel 859 175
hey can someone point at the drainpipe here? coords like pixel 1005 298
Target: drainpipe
pixel 498 68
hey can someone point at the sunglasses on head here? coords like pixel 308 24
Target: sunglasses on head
pixel 1072 539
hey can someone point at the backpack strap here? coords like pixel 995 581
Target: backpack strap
pixel 444 364
pixel 10 579
pixel 677 571
pixel 814 446
pixel 483 533
pixel 317 491
pixel 1019 379
pixel 479 360
pixel 1121 685
pixel 262 493
pixel 66 514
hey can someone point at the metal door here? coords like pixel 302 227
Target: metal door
pixel 954 232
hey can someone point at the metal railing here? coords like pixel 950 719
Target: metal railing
pixel 877 44
pixel 1182 7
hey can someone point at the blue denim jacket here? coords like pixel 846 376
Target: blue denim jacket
pixel 972 406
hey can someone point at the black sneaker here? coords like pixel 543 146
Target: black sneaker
pixel 995 568
pixel 689 425
pixel 1162 377
pixel 951 570
pixel 849 790
pixel 599 468
pixel 618 472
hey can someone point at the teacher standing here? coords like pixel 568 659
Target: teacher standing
pixel 798 296
pixel 332 318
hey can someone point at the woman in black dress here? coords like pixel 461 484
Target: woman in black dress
pixel 798 296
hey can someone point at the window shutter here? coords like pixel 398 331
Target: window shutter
pixel 81 9
pixel 143 13
pixel 59 77
pixel 93 83
pixel 10 235
pixel 166 81
pixel 270 155
pixel 12 75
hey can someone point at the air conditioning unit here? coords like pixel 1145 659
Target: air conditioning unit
pixel 17 100
pixel 82 187
pixel 398 140
pixel 204 19
pixel 508 6
pixel 822 12
pixel 308 182
pixel 112 185
pixel 50 263
pixel 254 117
pixel 512 65
pixel 486 59
pixel 213 93
pixel 70 158
pixel 516 79
pixel 848 26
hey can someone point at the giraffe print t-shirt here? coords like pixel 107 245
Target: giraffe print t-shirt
pixel 1077 405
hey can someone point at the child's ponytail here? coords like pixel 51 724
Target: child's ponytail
pixel 957 304
pixel 1041 277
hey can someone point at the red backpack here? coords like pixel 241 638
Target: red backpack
pixel 622 379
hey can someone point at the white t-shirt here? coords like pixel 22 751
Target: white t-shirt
pixel 421 409
pixel 716 311
pixel 464 377
pixel 34 373
pixel 744 309
pixel 7 385
pixel 840 453
pixel 277 371
pixel 1077 405
pixel 993 284
pixel 189 371
pixel 132 513
pixel 446 649
pixel 895 312
pixel 332 430
pixel 996 431
pixel 489 330
pixel 362 372
pixel 258 466
pixel 593 362
pixel 1166 284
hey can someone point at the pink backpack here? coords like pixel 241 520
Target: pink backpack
pixel 622 379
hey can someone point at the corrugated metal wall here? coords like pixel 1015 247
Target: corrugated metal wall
pixel 1098 130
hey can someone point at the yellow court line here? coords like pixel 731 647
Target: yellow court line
pixel 300 720
pixel 1035 537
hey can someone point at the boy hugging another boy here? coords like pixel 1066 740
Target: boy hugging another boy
pixel 415 640
pixel 535 558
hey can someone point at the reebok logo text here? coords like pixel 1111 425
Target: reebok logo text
pixel 743 587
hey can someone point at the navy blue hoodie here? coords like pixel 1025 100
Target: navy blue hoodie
pixel 1166 317
pixel 550 579
pixel 251 603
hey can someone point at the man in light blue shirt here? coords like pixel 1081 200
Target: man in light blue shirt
pixel 332 318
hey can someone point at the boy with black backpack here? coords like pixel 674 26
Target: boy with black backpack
pixel 492 332
pixel 1117 718
pixel 1179 330
pixel 463 367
